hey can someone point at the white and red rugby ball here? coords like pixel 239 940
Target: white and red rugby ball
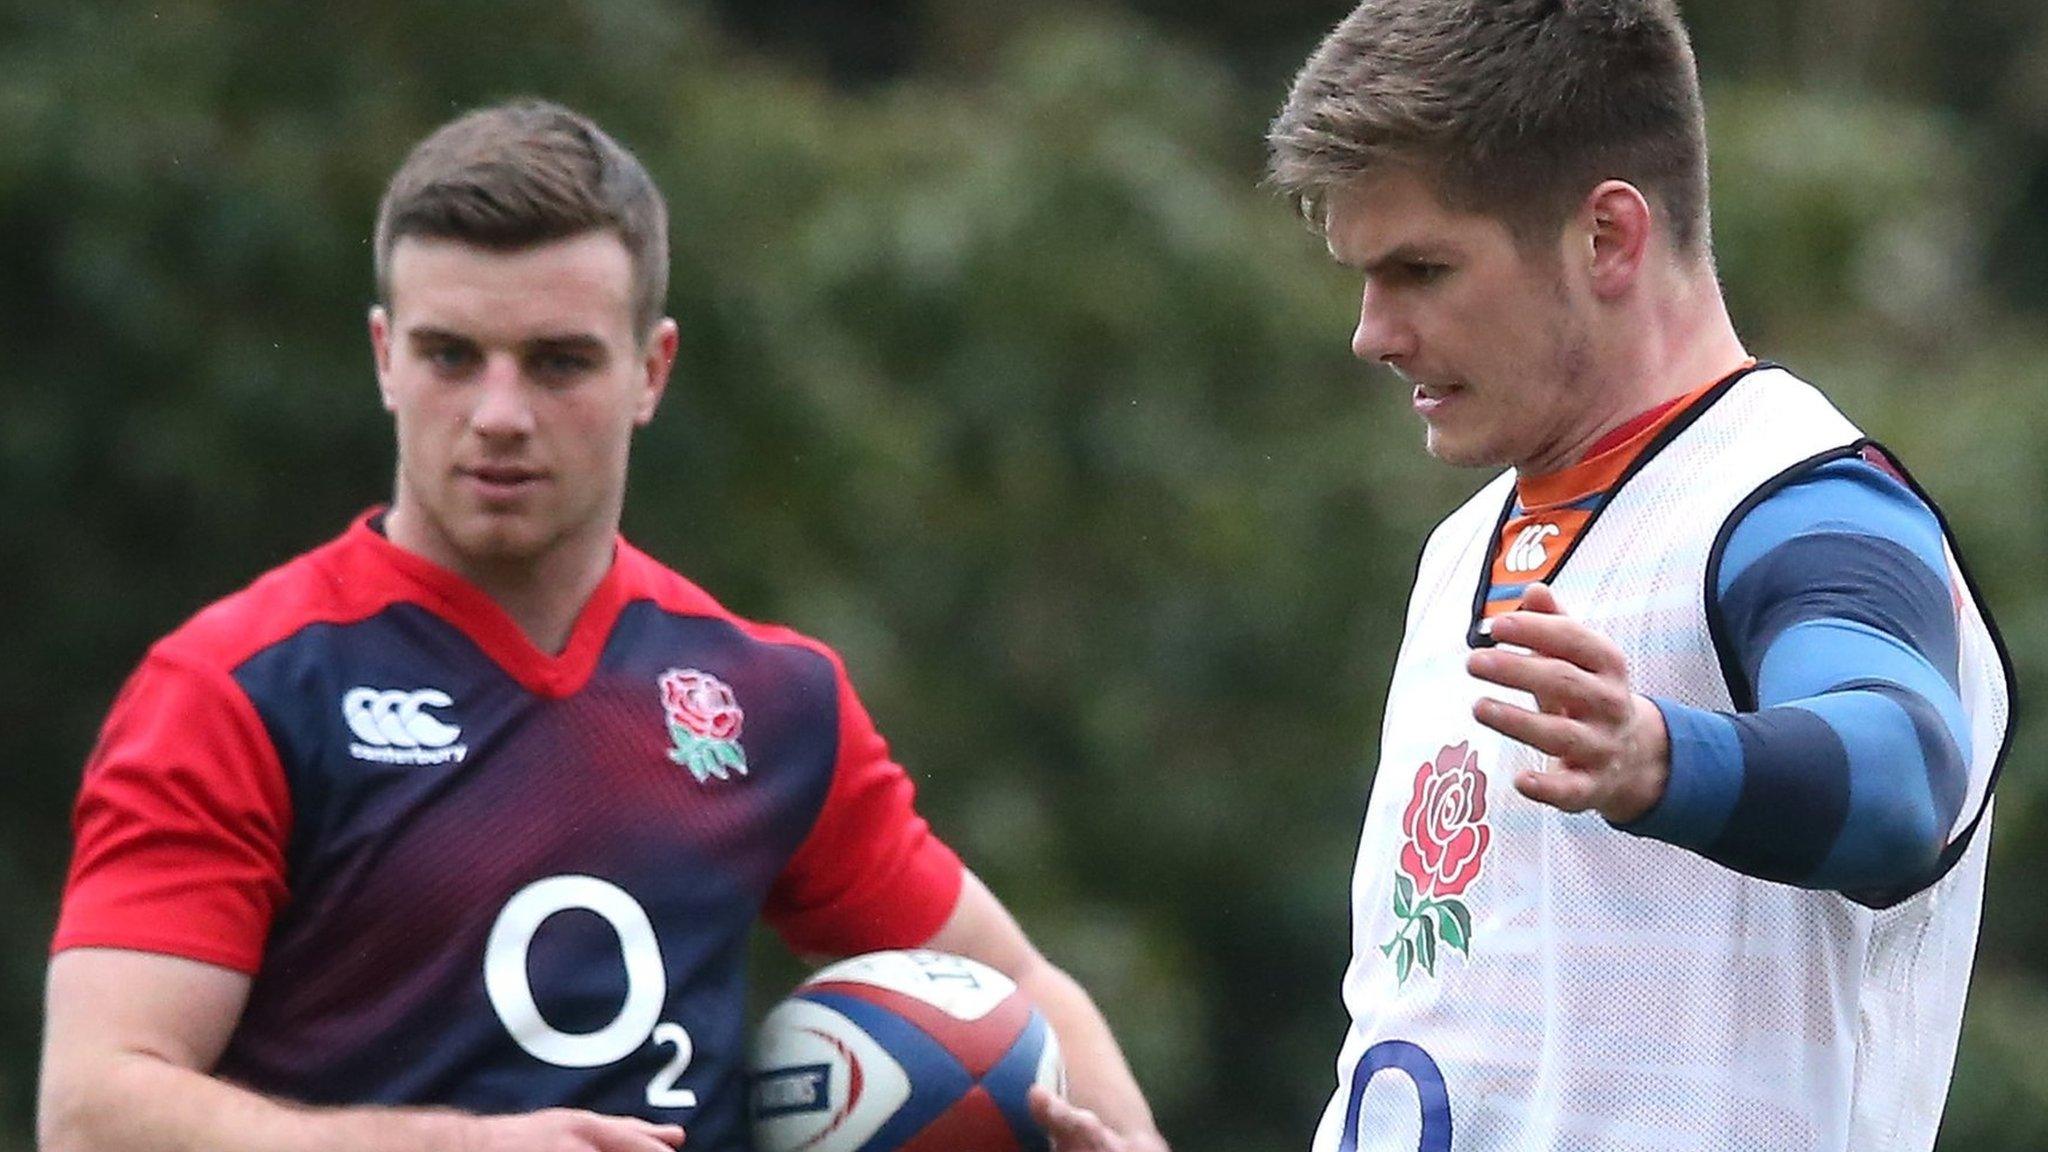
pixel 901 1052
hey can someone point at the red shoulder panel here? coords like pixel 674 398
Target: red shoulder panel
pixel 183 813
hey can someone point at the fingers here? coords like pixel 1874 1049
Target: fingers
pixel 647 1139
pixel 573 1130
pixel 1564 791
pixel 1565 738
pixel 670 1135
pixel 1559 686
pixel 1541 626
pixel 1570 744
pixel 1620 766
pixel 1539 598
pixel 1072 1128
pixel 625 1133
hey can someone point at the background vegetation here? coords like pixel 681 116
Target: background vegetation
pixel 1002 374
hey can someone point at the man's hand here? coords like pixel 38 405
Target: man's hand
pixel 1608 748
pixel 1076 1129
pixel 569 1130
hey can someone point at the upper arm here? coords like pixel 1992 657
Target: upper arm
pixel 980 928
pixel 105 1007
pixel 113 1001
pixel 1838 576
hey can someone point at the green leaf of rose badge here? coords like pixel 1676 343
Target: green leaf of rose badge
pixel 703 724
pixel 1446 838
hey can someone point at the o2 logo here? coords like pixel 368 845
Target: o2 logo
pixel 639 1018
pixel 1431 1096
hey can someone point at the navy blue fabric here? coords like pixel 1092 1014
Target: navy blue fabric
pixel 1794 798
pixel 1835 602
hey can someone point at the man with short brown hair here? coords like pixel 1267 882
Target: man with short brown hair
pixel 450 834
pixel 1679 828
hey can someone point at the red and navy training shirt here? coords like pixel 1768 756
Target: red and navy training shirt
pixel 464 872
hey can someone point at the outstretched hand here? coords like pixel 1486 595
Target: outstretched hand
pixel 1608 748
pixel 1076 1129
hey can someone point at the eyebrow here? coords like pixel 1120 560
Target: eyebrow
pixel 1405 253
pixel 560 342
pixel 1402 254
pixel 570 342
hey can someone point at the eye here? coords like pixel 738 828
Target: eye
pixel 449 359
pixel 561 366
pixel 1407 274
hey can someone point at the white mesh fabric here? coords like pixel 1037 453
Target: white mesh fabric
pixel 1622 994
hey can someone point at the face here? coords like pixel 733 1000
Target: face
pixel 1491 340
pixel 516 380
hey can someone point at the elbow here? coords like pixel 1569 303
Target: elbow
pixel 83 1109
pixel 1910 846
pixel 1899 821
pixel 62 1125
pixel 1894 855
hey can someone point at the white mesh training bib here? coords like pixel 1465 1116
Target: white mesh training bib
pixel 1527 980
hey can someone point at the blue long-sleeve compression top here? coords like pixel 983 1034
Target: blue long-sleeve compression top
pixel 1836 606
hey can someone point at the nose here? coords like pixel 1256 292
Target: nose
pixel 1382 335
pixel 503 408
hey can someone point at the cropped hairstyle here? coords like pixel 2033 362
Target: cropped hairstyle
pixel 1514 109
pixel 523 173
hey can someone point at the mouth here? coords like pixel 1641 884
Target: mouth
pixel 1428 399
pixel 499 482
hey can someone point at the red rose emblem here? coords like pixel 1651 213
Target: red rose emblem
pixel 1446 823
pixel 701 703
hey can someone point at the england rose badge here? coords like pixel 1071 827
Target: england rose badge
pixel 1445 839
pixel 704 723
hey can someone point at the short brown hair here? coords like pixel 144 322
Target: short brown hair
pixel 523 173
pixel 1513 109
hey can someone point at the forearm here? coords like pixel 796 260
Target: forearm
pixel 1098 1077
pixel 138 1103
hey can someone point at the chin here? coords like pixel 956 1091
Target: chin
pixel 1463 453
pixel 486 539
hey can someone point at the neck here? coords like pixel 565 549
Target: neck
pixel 1690 342
pixel 1668 344
pixel 545 597
pixel 542 593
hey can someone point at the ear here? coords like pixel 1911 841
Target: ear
pixel 657 362
pixel 1618 226
pixel 380 353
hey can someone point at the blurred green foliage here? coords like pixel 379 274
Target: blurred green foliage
pixel 1000 373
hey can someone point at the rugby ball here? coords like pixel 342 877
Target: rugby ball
pixel 901 1052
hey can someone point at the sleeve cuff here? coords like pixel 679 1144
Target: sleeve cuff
pixel 1705 780
pixel 904 911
